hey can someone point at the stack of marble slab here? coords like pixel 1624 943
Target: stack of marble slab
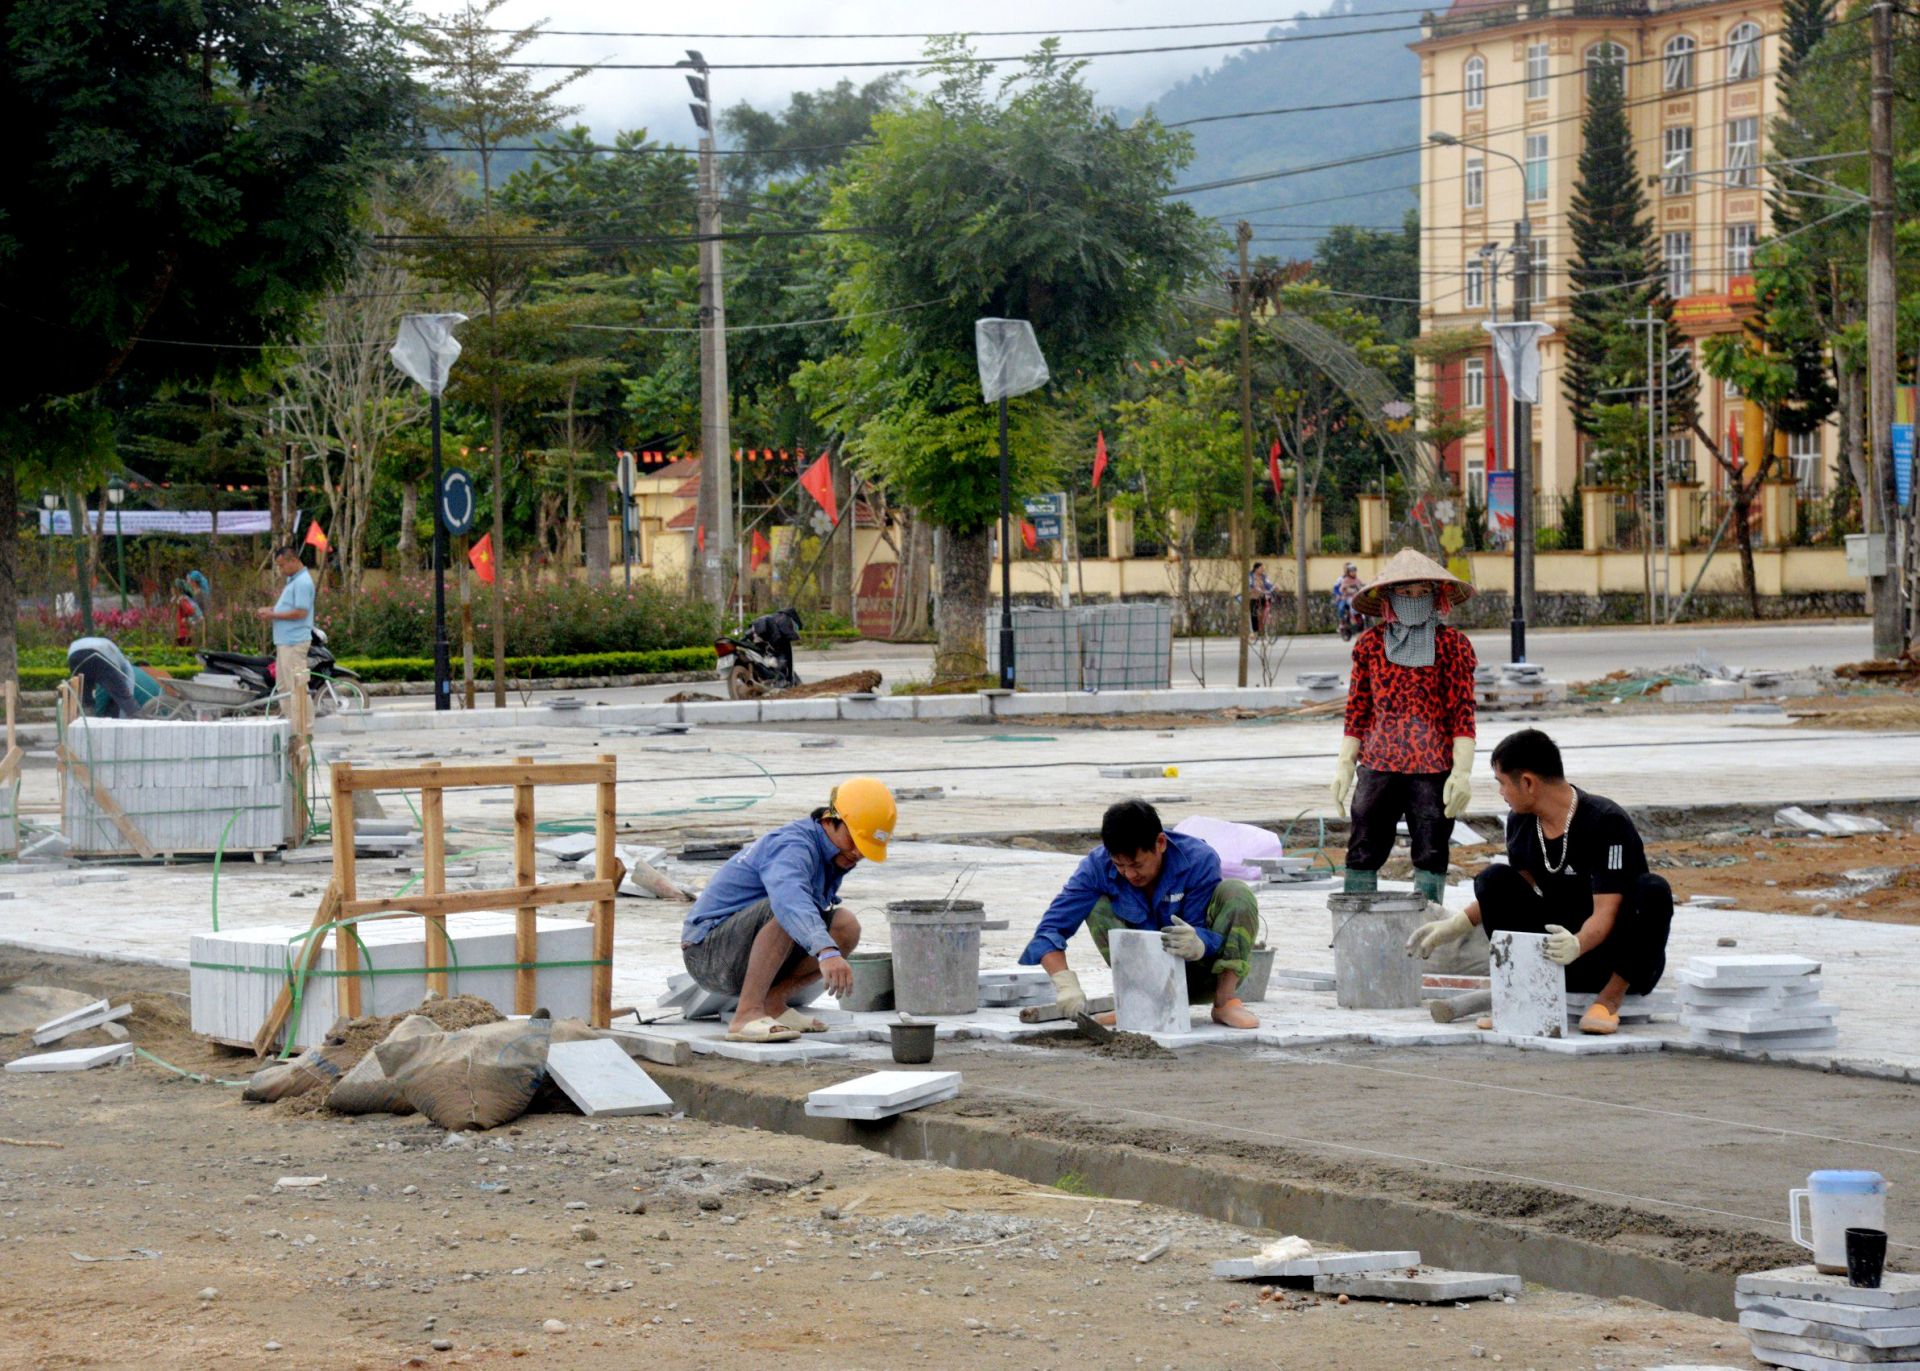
pixel 1015 989
pixel 235 975
pixel 1799 1317
pixel 189 787
pixel 882 1094
pixel 1756 1002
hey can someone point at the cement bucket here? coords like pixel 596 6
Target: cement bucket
pixel 1253 985
pixel 936 955
pixel 1371 968
pixel 872 982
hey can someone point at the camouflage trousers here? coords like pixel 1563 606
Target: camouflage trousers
pixel 1233 913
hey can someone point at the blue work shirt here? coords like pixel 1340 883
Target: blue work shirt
pixel 793 869
pixel 1188 874
pixel 296 594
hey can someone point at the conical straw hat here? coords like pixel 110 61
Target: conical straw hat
pixel 1404 567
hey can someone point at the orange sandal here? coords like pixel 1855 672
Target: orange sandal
pixel 1599 1019
pixel 1234 1014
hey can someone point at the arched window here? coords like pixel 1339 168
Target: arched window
pixel 1679 64
pixel 1743 52
pixel 1609 54
pixel 1473 83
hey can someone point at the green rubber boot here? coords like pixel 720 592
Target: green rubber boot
pixel 1361 882
pixel 1432 884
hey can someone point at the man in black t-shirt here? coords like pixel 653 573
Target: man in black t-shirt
pixel 1575 871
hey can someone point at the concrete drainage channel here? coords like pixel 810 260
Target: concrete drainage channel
pixel 1443 1237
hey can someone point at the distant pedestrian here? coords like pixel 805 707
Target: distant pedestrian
pixel 292 619
pixel 1259 597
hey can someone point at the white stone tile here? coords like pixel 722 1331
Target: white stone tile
pixel 602 1080
pixel 1897 1290
pixel 1789 1325
pixel 1426 1286
pixel 1529 992
pixel 1260 1268
pixel 884 1088
pixel 1149 984
pixel 73 1058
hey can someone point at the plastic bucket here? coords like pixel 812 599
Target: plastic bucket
pixel 913 1043
pixel 1371 968
pixel 1253 985
pixel 936 955
pixel 872 982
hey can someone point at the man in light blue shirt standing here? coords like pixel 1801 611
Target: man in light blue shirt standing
pixel 292 618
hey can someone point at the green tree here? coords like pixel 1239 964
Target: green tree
pixel 814 134
pixel 186 173
pixel 1027 202
pixel 1379 272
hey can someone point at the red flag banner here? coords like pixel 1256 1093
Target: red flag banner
pixel 316 536
pixel 1029 535
pixel 1735 456
pixel 700 537
pixel 1273 470
pixel 1099 456
pixel 481 555
pixel 761 550
pixel 817 481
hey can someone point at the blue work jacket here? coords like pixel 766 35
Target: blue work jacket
pixel 1188 875
pixel 793 869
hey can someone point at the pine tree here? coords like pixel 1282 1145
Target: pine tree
pixel 1803 24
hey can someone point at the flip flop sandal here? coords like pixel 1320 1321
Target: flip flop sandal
pixel 803 1023
pixel 763 1030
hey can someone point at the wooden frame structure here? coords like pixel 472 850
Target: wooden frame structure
pixel 432 902
pixel 10 767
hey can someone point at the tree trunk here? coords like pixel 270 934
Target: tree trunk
pixel 1743 510
pixel 599 555
pixel 910 585
pixel 407 550
pixel 965 596
pixel 1299 565
pixel 9 579
pixel 837 583
pixel 82 573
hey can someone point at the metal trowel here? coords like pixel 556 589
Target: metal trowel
pixel 1091 1028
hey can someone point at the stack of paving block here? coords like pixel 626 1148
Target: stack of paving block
pixel 235 975
pixel 1756 1002
pixel 1799 1317
pixel 882 1094
pixel 1015 989
pixel 188 787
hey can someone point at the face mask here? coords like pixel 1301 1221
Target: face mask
pixel 1412 610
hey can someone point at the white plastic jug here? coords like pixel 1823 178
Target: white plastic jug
pixel 1837 1201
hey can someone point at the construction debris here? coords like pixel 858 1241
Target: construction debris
pixel 78 1021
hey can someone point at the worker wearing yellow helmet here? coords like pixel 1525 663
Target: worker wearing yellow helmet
pixel 770 922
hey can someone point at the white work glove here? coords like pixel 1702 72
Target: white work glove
pixel 1458 792
pixel 1562 946
pixel 1067 993
pixel 1440 933
pixel 1179 938
pixel 1343 773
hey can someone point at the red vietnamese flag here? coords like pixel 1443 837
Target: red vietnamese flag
pixel 1273 470
pixel 761 550
pixel 817 481
pixel 481 555
pixel 1029 535
pixel 316 536
pixel 700 537
pixel 1099 456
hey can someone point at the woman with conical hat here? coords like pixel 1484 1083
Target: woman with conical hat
pixel 1408 749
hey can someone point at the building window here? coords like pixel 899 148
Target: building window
pixel 1741 239
pixel 1676 160
pixel 1473 383
pixel 1677 253
pixel 1539 266
pixel 1677 458
pixel 1678 73
pixel 1476 289
pixel 1474 83
pixel 1537 166
pixel 1476 479
pixel 1743 152
pixel 1803 454
pixel 1476 182
pixel 1743 52
pixel 1608 54
pixel 1536 71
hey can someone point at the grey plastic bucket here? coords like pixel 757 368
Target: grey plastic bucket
pixel 872 982
pixel 936 955
pixel 1253 985
pixel 1371 968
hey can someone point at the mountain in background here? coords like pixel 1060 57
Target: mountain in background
pixel 1288 214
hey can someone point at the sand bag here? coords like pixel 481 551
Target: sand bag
pixel 476 1078
pixel 366 1089
pixel 317 1068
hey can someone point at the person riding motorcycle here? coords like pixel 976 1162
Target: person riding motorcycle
pixel 1343 592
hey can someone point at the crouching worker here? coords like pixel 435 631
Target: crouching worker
pixel 770 923
pixel 111 686
pixel 1142 877
pixel 1575 871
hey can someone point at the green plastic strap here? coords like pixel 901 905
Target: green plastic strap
pixel 401 970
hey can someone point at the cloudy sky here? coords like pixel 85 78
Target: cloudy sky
pixel 657 100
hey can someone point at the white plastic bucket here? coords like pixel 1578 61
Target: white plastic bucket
pixel 1837 1201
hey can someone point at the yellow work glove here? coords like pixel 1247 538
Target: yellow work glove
pixel 1458 792
pixel 1562 946
pixel 1428 937
pixel 1343 773
pixel 1067 993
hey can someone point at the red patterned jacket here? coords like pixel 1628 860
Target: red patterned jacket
pixel 1407 717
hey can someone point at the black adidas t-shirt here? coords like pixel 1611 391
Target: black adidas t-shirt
pixel 1603 852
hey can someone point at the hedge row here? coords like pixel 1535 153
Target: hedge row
pixel 658 662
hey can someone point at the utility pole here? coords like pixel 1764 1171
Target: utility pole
pixel 1243 304
pixel 1883 590
pixel 1522 455
pixel 713 516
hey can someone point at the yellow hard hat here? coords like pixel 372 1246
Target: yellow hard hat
pixel 866 807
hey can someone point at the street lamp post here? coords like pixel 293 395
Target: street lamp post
pixel 50 502
pixel 116 492
pixel 425 351
pixel 1010 364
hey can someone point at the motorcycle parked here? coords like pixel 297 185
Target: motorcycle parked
pixel 761 659
pixel 330 686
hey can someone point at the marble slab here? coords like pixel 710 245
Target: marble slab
pixel 1782 1349
pixel 1766 1042
pixel 1529 992
pixel 882 1094
pixel 1897 1289
pixel 1149 984
pixel 603 1081
pixel 92 1016
pixel 73 1059
pixel 1880 1339
pixel 1748 968
pixel 1833 1314
pixel 1333 1263
pixel 1425 1286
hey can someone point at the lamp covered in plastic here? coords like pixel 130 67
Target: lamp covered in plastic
pixel 426 348
pixel 1010 360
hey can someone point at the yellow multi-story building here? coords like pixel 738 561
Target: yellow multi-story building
pixel 1506 82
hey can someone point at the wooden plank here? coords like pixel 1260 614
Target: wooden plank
pixel 606 868
pixel 79 771
pixel 653 1047
pixel 269 1033
pixel 346 952
pixel 526 937
pixel 433 879
pixel 524 771
pixel 530 897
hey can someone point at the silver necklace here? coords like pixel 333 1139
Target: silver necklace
pixel 1566 838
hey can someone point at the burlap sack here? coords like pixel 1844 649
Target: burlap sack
pixel 478 1077
pixel 315 1069
pixel 366 1089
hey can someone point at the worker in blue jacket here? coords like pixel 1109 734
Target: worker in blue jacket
pixel 1143 877
pixel 770 922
